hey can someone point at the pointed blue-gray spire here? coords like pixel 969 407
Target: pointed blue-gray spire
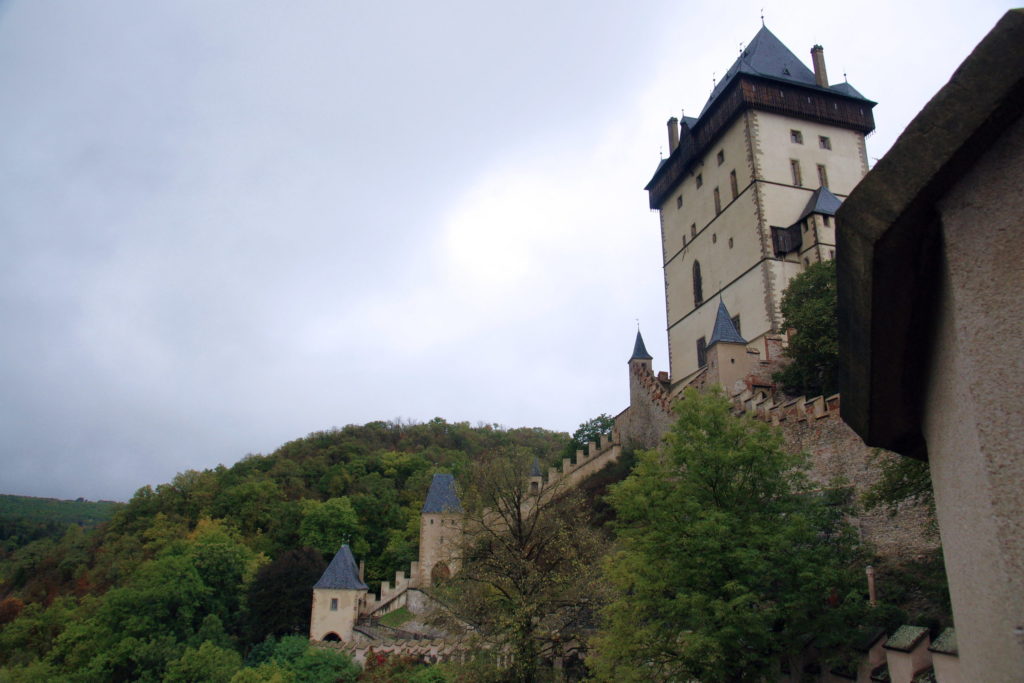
pixel 535 469
pixel 342 572
pixel 442 497
pixel 724 330
pixel 767 57
pixel 639 350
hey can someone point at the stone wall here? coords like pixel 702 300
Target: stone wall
pixel 836 452
pixel 809 425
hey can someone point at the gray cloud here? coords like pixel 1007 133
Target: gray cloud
pixel 224 225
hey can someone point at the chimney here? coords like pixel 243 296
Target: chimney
pixel 818 58
pixel 872 591
pixel 673 134
pixel 362 570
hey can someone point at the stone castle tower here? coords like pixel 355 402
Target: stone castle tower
pixel 440 531
pixel 337 599
pixel 747 196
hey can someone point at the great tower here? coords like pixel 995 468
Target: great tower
pixel 747 194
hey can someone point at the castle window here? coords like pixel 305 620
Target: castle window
pixel 733 184
pixel 698 285
pixel 334 604
pixel 796 137
pixel 684 240
pixel 702 352
pixel 730 243
pixel 828 220
pixel 831 253
pixel 824 142
pixel 718 202
pixel 721 157
pixel 794 166
pixel 736 324
pixel 822 175
pixel 679 202
pixel 804 223
pixel 700 180
pixel 714 238
pixel 693 230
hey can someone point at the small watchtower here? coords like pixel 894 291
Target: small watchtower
pixel 726 354
pixel 336 599
pixel 640 364
pixel 440 531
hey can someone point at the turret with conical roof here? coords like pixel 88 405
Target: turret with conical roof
pixel 337 597
pixel 728 361
pixel 639 349
pixel 440 531
pixel 725 329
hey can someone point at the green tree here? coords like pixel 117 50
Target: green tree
pixel 590 431
pixel 529 576
pixel 278 599
pixel 327 525
pixel 207 663
pixel 728 561
pixel 809 308
pixel 293 656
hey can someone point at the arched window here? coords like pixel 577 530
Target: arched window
pixel 332 637
pixel 698 288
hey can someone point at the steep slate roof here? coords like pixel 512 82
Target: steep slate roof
pixel 535 469
pixel 822 201
pixel 441 497
pixel 767 57
pixel 342 573
pixel 724 330
pixel 845 88
pixel 639 350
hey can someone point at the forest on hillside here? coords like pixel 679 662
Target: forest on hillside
pixel 218 564
pixel 24 519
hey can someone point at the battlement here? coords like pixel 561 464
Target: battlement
pixel 762 406
pixel 657 387
pixel 390 597
pixel 588 461
pixel 427 651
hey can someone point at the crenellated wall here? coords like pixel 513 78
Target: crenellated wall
pixel 813 426
pixel 810 425
pixel 427 651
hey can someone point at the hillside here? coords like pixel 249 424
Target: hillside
pixel 227 555
pixel 24 519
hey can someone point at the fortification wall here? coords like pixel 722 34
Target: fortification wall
pixel 649 414
pixel 427 651
pixel 809 425
pixel 813 426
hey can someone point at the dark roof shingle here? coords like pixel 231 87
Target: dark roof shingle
pixel 442 497
pixel 767 57
pixel 639 350
pixel 822 201
pixel 725 330
pixel 342 572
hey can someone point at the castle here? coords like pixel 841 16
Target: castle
pixel 746 200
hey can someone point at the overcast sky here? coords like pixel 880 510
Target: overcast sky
pixel 225 224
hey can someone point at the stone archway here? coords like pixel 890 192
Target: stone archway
pixel 332 637
pixel 440 572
